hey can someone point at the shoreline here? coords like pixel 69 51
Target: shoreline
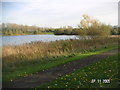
pixel 51 34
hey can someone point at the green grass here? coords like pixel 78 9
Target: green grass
pixel 105 69
pixel 12 73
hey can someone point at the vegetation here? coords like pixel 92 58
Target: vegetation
pixel 17 60
pixel 91 27
pixel 33 51
pixel 101 71
pixel 115 30
pixel 88 26
pixel 15 29
pixel 24 69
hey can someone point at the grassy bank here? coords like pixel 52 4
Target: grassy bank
pixel 106 69
pixel 40 50
pixel 14 71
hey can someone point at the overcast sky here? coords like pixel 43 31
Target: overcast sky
pixel 57 13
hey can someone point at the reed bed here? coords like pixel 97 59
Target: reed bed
pixel 13 55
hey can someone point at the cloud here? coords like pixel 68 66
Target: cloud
pixel 55 13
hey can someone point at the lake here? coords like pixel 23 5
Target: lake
pixel 17 40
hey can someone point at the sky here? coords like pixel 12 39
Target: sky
pixel 58 13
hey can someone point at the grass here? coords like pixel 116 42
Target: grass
pixel 106 69
pixel 27 68
pixel 37 50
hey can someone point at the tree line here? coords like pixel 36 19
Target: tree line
pixel 15 29
pixel 87 26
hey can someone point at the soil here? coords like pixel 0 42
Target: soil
pixel 53 73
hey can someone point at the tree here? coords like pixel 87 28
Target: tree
pixel 114 30
pixel 93 27
pixel 59 32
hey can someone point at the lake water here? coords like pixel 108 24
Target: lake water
pixel 17 40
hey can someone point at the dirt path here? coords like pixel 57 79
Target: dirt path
pixel 53 73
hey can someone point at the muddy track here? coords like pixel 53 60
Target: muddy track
pixel 53 73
